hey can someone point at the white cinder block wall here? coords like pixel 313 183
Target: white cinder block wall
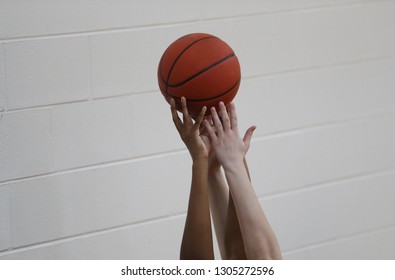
pixel 91 166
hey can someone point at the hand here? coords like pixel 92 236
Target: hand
pixel 229 148
pixel 189 130
pixel 213 162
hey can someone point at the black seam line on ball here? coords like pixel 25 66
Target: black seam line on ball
pixel 203 99
pixel 178 57
pixel 200 72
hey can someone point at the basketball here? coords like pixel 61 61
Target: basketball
pixel 202 68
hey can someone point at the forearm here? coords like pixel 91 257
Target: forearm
pixel 197 239
pixel 259 239
pixel 219 196
pixel 234 242
pixel 229 238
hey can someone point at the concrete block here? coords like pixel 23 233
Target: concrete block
pixel 332 211
pixel 314 156
pixel 103 15
pixel 156 240
pixel 290 41
pixel 370 246
pixel 5 218
pixel 47 71
pixel 91 132
pixel 22 18
pixel 127 62
pixel 74 203
pixel 153 123
pixel 300 99
pixel 25 144
pixel 2 80
pixel 233 8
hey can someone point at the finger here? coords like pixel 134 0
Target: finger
pixel 216 121
pixel 202 129
pixel 200 118
pixel 210 131
pixel 210 119
pixel 248 135
pixel 233 116
pixel 224 116
pixel 185 113
pixel 176 118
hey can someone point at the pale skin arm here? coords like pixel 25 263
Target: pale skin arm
pixel 227 229
pixel 218 198
pixel 259 239
pixel 234 242
pixel 197 240
pixel 230 241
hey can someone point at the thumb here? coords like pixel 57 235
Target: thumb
pixel 248 135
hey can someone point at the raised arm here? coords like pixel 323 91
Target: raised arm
pixel 259 239
pixel 227 229
pixel 197 240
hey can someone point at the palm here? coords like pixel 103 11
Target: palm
pixel 200 142
pixel 188 129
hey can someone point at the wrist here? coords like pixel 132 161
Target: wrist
pixel 198 154
pixel 233 166
pixel 199 158
pixel 200 166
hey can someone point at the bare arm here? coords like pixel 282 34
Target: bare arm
pixel 219 198
pixel 234 242
pixel 226 224
pixel 227 229
pixel 259 239
pixel 197 240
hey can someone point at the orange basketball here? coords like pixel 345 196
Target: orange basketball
pixel 201 67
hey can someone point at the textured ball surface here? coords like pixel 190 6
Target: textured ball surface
pixel 201 67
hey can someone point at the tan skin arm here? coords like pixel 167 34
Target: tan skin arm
pixel 197 240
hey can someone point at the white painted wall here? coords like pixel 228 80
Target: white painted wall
pixel 92 168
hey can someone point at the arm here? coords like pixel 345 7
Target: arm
pixel 233 238
pixel 234 242
pixel 197 237
pixel 226 224
pixel 219 197
pixel 197 240
pixel 227 229
pixel 259 239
